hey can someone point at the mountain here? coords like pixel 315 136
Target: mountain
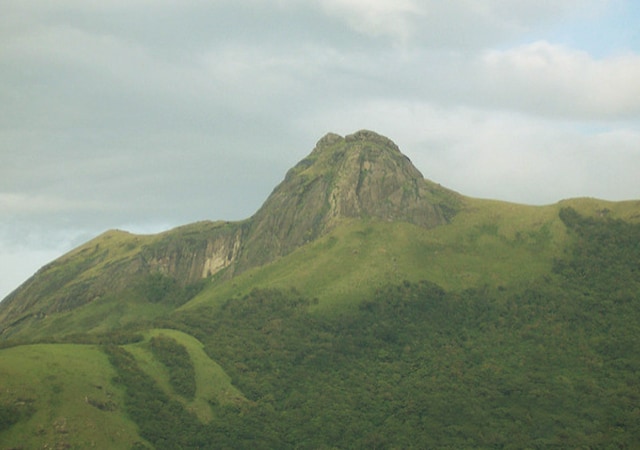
pixel 360 176
pixel 362 306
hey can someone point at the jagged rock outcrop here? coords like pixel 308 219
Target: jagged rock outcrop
pixel 189 255
pixel 363 175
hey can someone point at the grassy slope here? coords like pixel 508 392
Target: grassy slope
pixel 489 242
pixel 63 383
pixel 60 382
pixel 100 270
pixel 213 384
pixel 102 315
pixel 76 268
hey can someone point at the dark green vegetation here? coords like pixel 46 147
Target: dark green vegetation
pixel 481 324
pixel 158 416
pixel 550 363
pixel 175 357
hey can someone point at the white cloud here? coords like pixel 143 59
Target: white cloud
pixel 19 203
pixel 554 80
pixel 459 24
pixel 91 57
pixel 529 12
pixel 250 79
pixel 394 18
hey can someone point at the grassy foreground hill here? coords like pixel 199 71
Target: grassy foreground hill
pixel 361 307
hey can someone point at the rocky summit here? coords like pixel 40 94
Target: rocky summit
pixel 363 175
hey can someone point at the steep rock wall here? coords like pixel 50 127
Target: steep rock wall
pixel 192 256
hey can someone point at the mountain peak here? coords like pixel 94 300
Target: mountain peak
pixel 362 175
pixel 359 176
pixel 371 136
pixel 354 151
pixel 330 139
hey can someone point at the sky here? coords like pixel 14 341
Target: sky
pixel 144 115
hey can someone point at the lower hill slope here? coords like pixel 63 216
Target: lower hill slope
pixel 54 396
pixel 79 396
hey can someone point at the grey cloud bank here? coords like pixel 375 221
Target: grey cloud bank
pixel 146 115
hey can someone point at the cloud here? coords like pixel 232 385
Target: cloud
pixel 19 203
pixel 393 18
pixel 464 25
pixel 251 80
pixel 552 79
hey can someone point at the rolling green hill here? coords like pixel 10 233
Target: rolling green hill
pixel 361 307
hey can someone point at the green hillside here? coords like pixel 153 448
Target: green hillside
pixel 488 242
pixel 361 307
pixel 56 395
pixel 69 395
